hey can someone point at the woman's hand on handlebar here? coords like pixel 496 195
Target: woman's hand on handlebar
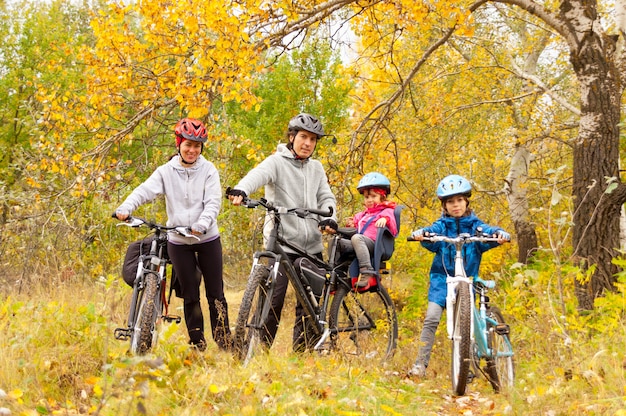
pixel 121 214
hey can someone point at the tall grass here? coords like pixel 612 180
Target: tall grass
pixel 59 356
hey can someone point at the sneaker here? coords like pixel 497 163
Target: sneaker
pixel 418 370
pixel 364 280
pixel 199 345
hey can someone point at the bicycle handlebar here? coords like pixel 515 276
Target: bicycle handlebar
pixel 136 222
pixel 269 206
pixel 461 238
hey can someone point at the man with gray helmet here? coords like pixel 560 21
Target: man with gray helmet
pixel 292 179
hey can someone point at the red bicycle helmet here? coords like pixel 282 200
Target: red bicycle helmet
pixel 190 129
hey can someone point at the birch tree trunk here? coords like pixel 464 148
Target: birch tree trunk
pixel 515 188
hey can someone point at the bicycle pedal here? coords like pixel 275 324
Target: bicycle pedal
pixel 172 318
pixel 122 333
pixel 503 329
pixel 470 376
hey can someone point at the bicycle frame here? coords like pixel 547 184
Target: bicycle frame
pixel 140 322
pixel 482 321
pixel 157 264
pixel 453 282
pixel 276 255
pixel 367 319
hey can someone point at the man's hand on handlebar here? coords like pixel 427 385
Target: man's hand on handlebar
pixel 236 196
pixel 328 225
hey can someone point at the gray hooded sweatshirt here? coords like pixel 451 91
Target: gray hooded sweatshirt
pixel 293 183
pixel 192 195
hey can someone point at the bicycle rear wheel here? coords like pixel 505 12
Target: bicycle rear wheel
pixel 144 335
pixel 363 324
pixel 461 341
pixel 500 368
pixel 253 313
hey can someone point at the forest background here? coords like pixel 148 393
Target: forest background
pixel 523 98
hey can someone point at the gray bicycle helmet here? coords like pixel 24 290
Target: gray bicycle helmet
pixel 453 185
pixel 304 121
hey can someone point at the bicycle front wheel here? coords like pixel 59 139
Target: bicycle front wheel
pixel 253 313
pixel 145 333
pixel 500 367
pixel 461 341
pixel 363 324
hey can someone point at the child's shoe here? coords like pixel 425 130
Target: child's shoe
pixel 364 279
pixel 418 370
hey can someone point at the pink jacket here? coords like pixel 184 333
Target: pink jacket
pixel 385 210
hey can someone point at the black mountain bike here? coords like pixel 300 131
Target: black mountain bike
pixel 148 305
pixel 338 318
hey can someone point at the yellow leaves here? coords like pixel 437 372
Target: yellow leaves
pixel 16 394
pixel 215 389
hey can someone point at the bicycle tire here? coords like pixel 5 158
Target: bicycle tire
pixel 255 300
pixel 145 333
pixel 500 368
pixel 461 341
pixel 363 324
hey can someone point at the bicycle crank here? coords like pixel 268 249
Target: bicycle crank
pixel 123 333
pixel 503 329
pixel 172 318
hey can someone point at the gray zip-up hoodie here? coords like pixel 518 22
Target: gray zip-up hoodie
pixel 293 183
pixel 192 195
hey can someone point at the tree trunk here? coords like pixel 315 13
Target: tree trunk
pixel 515 189
pixel 596 150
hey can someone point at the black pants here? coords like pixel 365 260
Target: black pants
pixel 186 259
pixel 301 339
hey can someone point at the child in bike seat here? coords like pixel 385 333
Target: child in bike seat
pixel 378 213
pixel 454 192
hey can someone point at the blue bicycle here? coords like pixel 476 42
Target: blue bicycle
pixel 477 333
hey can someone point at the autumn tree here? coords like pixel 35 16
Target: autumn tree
pixel 154 61
pixel 38 50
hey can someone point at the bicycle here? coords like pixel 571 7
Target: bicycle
pixel 337 317
pixel 148 306
pixel 476 334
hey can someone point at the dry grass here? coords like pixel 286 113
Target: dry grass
pixel 59 356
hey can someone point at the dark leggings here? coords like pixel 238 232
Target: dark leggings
pixel 186 260
pixel 301 339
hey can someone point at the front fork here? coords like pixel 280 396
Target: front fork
pixel 452 283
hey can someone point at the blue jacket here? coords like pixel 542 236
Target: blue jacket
pixel 443 263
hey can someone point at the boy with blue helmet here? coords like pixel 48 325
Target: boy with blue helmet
pixel 454 192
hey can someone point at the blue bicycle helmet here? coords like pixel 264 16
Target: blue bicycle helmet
pixel 304 121
pixel 453 185
pixel 374 180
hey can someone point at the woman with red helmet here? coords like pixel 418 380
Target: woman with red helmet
pixel 193 197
